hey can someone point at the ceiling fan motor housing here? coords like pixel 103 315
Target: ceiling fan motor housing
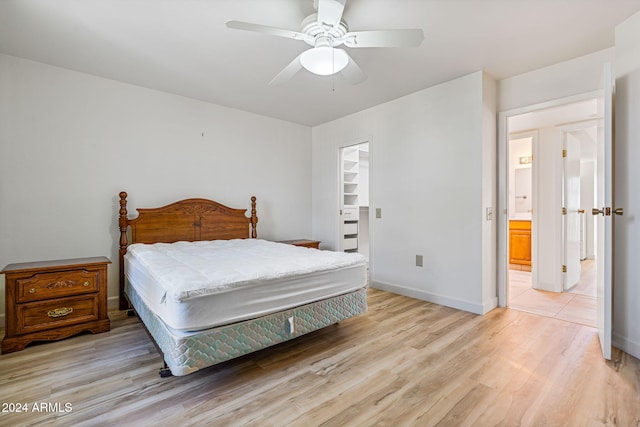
pixel 322 34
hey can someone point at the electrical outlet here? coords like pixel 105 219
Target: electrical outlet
pixel 418 260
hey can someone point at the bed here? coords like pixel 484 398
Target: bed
pixel 208 290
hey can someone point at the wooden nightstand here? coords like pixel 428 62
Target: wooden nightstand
pixel 303 242
pixel 51 300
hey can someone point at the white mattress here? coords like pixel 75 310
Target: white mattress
pixel 197 285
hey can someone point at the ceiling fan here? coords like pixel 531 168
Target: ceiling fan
pixel 325 31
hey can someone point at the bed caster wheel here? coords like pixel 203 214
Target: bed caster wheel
pixel 165 372
pixel 130 313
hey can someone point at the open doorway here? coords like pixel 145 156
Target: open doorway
pixel 550 243
pixel 355 172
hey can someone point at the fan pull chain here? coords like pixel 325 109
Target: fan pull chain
pixel 333 69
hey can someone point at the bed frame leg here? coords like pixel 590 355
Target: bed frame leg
pixel 130 313
pixel 165 371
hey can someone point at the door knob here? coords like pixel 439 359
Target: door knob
pixel 607 211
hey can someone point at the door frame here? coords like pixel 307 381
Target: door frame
pixel 503 182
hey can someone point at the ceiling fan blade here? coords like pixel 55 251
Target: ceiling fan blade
pixel 330 12
pixel 287 72
pixel 281 32
pixel 353 73
pixel 384 38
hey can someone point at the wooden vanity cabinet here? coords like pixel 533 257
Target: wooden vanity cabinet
pixel 520 244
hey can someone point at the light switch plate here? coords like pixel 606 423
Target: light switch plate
pixel 378 212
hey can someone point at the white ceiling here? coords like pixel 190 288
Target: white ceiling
pixel 183 46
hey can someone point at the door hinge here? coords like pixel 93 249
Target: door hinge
pixel 564 211
pixel 564 268
pixel 564 153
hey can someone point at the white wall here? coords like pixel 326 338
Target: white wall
pixel 69 142
pixel 427 153
pixel 626 292
pixel 574 77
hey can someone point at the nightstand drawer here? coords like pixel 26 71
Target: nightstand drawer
pixel 57 284
pixel 43 315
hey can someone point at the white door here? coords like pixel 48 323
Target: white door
pixel 604 220
pixel 570 214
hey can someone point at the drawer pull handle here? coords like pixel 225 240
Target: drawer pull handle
pixel 85 284
pixel 32 290
pixel 60 312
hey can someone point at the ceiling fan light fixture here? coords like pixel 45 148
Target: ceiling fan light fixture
pixel 324 60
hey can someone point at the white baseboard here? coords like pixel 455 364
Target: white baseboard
pixel 436 299
pixel 113 303
pixel 626 345
pixel 490 305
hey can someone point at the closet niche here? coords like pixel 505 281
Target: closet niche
pixel 355 198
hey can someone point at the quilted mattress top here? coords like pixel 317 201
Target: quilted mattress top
pixel 190 269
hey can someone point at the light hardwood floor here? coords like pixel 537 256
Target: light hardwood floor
pixel 404 362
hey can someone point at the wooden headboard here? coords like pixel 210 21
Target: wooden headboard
pixel 186 220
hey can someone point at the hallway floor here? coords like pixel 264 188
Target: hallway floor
pixel 578 305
